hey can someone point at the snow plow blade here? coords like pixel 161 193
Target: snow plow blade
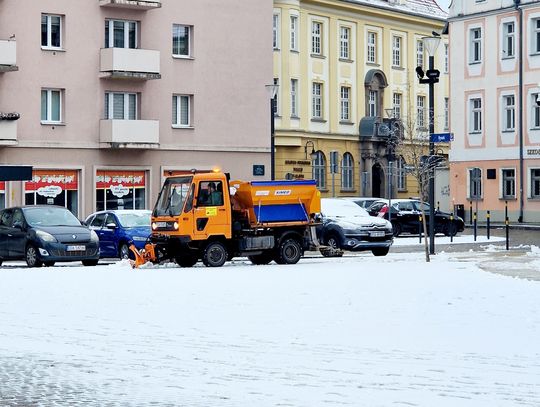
pixel 144 256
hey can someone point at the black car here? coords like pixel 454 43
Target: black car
pixel 45 234
pixel 347 226
pixel 405 217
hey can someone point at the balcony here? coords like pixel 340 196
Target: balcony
pixel 129 63
pixel 142 5
pixel 8 132
pixel 142 134
pixel 8 56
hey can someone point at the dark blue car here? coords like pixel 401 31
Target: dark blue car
pixel 117 229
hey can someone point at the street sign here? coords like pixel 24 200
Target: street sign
pixel 334 162
pixel 442 137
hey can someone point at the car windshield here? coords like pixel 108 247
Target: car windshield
pixel 336 208
pixel 50 216
pixel 172 196
pixel 134 219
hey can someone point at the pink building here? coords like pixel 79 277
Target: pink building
pixel 115 94
pixel 495 107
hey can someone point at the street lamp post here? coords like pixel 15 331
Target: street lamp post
pixel 432 76
pixel 272 91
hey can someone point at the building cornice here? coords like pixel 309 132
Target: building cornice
pixel 494 12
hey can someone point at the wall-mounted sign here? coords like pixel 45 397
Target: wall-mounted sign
pixel 119 190
pixel 258 170
pixel 50 191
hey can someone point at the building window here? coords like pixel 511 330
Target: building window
pixel 316 36
pixel 347 172
pixel 420 53
pixel 396 51
pixel 53 187
pixel 181 40
pixel 181 110
pixel 446 113
pixel 276 99
pixel 120 190
pixel 509 114
pixel 51 105
pixel 476 115
pixel 535 124
pixel 345 103
pixel 294 33
pixel 508 183
pixel 316 100
pixel 294 97
pixel 51 31
pixel 373 102
pixel 508 40
pixel 475 183
pixel 446 59
pixel 475 45
pixel 275 31
pixel 344 42
pixel 372 47
pixel 120 106
pixel 535 183
pixel 535 35
pixel 421 111
pixel 120 34
pixel 319 170
pixel 396 107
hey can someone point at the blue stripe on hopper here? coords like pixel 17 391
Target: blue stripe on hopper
pixel 280 213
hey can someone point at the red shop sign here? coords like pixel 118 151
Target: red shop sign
pixel 128 179
pixel 58 179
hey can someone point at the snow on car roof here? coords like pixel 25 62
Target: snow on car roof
pixel 341 207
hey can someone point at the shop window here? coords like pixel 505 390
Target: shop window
pixel 53 187
pixel 120 190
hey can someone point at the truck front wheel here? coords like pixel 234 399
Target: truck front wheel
pixel 289 252
pixel 215 255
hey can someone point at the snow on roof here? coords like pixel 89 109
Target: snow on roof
pixel 425 8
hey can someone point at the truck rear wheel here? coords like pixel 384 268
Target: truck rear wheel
pixel 263 258
pixel 215 255
pixel 289 252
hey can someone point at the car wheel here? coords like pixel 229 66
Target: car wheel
pixel 124 252
pixel 380 251
pixel 261 259
pixel 450 229
pixel 31 257
pixel 90 262
pixel 289 252
pixel 48 263
pixel 186 261
pixel 396 229
pixel 215 255
pixel 333 242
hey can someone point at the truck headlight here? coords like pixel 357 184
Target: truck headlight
pixel 175 225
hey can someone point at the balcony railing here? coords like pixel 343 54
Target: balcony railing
pixel 8 56
pixel 132 4
pixel 130 63
pixel 8 132
pixel 129 133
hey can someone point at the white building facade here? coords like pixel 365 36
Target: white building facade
pixel 495 108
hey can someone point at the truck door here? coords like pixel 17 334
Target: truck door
pixel 212 213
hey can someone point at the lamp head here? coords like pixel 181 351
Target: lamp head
pixel 419 72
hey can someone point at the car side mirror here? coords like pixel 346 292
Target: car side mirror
pixel 18 225
pixel 111 226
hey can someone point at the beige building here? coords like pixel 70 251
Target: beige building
pixel 115 94
pixel 346 71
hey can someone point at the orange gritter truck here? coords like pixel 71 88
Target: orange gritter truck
pixel 204 216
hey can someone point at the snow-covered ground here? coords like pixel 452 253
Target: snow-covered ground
pixel 352 331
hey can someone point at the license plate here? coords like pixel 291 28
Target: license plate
pixel 376 234
pixel 75 248
pixel 161 224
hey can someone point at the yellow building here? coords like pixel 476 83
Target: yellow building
pixel 346 70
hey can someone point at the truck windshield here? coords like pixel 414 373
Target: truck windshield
pixel 172 196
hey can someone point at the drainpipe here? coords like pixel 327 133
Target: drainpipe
pixel 521 171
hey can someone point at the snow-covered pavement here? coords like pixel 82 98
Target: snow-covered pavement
pixel 357 331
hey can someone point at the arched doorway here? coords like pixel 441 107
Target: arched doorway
pixel 378 186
